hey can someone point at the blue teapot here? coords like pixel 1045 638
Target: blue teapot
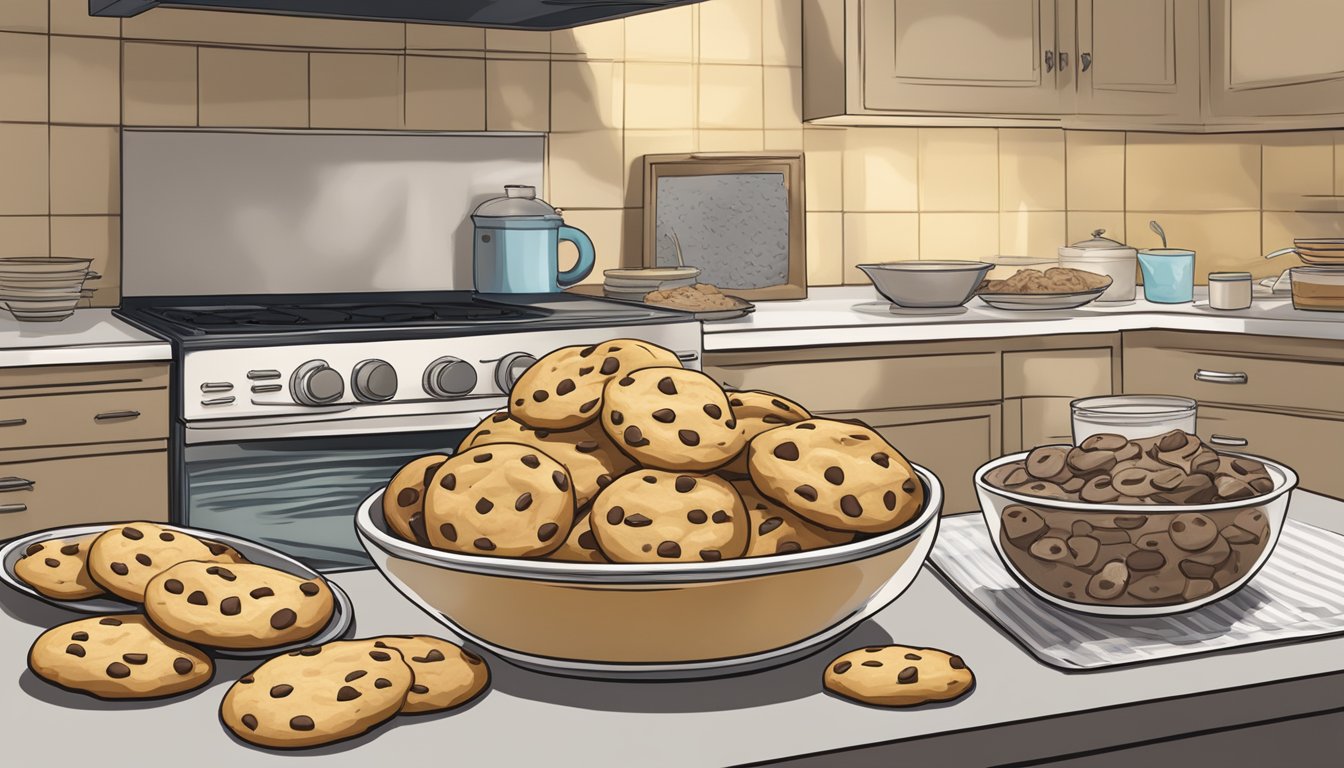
pixel 516 245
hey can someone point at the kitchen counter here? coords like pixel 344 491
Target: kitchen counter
pixel 1285 699
pixel 88 336
pixel 828 317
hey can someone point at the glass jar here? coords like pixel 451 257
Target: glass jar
pixel 1132 416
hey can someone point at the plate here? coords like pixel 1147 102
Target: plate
pixel 886 308
pixel 342 615
pixel 1029 301
pixel 742 309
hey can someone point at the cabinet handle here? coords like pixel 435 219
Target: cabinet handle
pixel 1225 440
pixel 1086 59
pixel 13 422
pixel 1221 377
pixel 6 509
pixel 1049 61
pixel 116 416
pixel 16 484
pixel 1063 60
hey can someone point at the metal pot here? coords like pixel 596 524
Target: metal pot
pixel 1104 256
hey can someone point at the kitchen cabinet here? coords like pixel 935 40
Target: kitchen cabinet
pixel 1309 443
pixel 1042 376
pixel 82 443
pixel 1138 58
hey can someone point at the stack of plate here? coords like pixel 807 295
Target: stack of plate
pixel 634 284
pixel 41 288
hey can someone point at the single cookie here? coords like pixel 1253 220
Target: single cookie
pixel 506 500
pixel 118 657
pixel 586 452
pixel 404 499
pixel 651 516
pixel 776 530
pixel 239 605
pixel 58 568
pixel 563 390
pixel 757 411
pixel 317 695
pixel 125 557
pixel 837 474
pixel 581 545
pixel 896 676
pixel 671 418
pixel 446 675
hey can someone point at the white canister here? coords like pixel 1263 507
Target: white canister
pixel 1230 290
pixel 1104 256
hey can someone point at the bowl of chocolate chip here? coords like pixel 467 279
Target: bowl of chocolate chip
pixel 1143 527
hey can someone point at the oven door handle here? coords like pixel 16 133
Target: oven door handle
pixel 234 432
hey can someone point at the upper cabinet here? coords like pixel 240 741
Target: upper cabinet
pixel 1138 58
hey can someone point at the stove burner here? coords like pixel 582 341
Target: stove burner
pixel 396 313
pixel 257 318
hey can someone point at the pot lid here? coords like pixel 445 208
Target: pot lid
pixel 1098 242
pixel 520 201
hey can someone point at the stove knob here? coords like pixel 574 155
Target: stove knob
pixel 449 377
pixel 316 383
pixel 374 381
pixel 510 367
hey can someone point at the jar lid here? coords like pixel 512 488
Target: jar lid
pixel 1098 242
pixel 1229 276
pixel 520 201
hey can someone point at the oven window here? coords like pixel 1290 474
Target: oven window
pixel 299 495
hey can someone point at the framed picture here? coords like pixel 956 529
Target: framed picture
pixel 738 217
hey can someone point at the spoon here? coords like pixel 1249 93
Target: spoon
pixel 1153 225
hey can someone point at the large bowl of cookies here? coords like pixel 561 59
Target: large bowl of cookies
pixel 626 516
pixel 1141 527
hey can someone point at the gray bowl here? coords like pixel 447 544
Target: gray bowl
pixel 927 284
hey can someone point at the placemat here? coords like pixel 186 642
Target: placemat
pixel 1298 593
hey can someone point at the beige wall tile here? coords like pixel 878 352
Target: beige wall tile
pixel 158 84
pixel 586 170
pixel 85 80
pixel 517 40
pixel 666 35
pixel 876 237
pixel 1031 169
pixel 71 17
pixel 659 96
pixel 959 170
pixel 972 236
pixel 23 16
pixel 85 169
pixel 517 95
pixel 587 95
pixel 1296 164
pixel 1339 162
pixel 730 31
pixel 730 96
pixel 824 172
pixel 355 90
pixel 97 238
pixel 880 172
pixel 1031 233
pixel 23 156
pixel 1096 170
pixel 263 29
pixel 825 248
pixel 1081 225
pixel 1280 227
pixel 260 89
pixel 784 139
pixel 445 94
pixel 632 242
pixel 439 37
pixel 782 96
pixel 721 140
pixel 641 143
pixel 606 228
pixel 1167 172
pixel 1222 241
pixel 782 32
pixel 603 40
pixel 24 236
pixel 23 77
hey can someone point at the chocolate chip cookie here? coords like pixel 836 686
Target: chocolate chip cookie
pixel 836 474
pixel 118 657
pixel 318 695
pixel 125 557
pixel 404 499
pixel 58 568
pixel 504 499
pixel 581 545
pixel 652 516
pixel 776 530
pixel 237 605
pixel 446 675
pixel 671 418
pixel 757 411
pixel 586 452
pixel 563 390
pixel 897 676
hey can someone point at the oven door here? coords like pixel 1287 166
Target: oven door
pixel 298 494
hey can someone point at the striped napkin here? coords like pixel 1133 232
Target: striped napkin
pixel 1298 593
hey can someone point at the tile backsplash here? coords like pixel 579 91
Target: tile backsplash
pixel 722 75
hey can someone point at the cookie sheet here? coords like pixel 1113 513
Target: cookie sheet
pixel 1298 593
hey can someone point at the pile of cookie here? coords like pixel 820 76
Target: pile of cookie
pixel 615 453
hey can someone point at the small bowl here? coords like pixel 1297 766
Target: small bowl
pixel 927 284
pixel 1059 578
pixel 1318 288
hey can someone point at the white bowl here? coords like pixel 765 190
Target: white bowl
pixel 927 284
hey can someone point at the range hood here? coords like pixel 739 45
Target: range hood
pixel 537 15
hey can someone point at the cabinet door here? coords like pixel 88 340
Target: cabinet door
pixel 1138 57
pixel 132 485
pixel 1275 58
pixel 1309 444
pixel 974 56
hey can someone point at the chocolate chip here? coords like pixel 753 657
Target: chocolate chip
pixel 697 516
pixel 32 549
pixel 283 619
pixel 309 651
pixel 382 682
pixel 547 531
pixel 721 517
pixel 118 670
pixel 788 547
pixel 650 479
pixel 483 506
pixel 120 569
pixel 615 515
pixel 841 667
pixel 786 452
pixel 609 366
pixel 448 482
pixel 588 406
pixel 585 370
pixel 669 549
pixel 52 562
pixel 684 484
pixel 908 486
pixel 353 676
pixel 250 721
pixel 74 649
pixel 449 531
pixel 688 437
pixel 182 665
pixel 637 521
pixel 588 541
pixel 731 423
pixel 482 458
pixel 769 524
pixel 484 544
pixel 531 461
pixel 417 688
pixel 143 559
pixel 771 418
pixel 586 351
pixel 281 691
pixel 133 534
pixel 80 636
pixel 230 606
pixel 221 572
pixel 872 663
pixel 471 657
pixel 540 395
pixel 889 500
pixel 309 589
pixel 711 555
pixel 347 694
pixel 380 655
pixel 850 506
pixel 197 598
pixel 560 479
pixel 603 480
pixel 586 446
pixel 907 676
pixel 712 411
pixel 302 723
pixel 70 549
pixel 407 497
pixel 432 656
pixel 111 622
pixel 564 387
pixel 135 658
pixel 913 656
pixel 635 437
pixel 834 475
pixel 807 492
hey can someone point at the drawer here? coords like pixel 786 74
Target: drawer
pixel 1239 379
pixel 86 489
pixel 1057 373
pixel 1311 445
pixel 44 380
pixel 92 417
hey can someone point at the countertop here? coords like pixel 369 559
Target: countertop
pixel 87 336
pixel 828 316
pixel 1019 710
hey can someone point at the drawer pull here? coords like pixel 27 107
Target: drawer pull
pixel 226 400
pixel 263 375
pixel 216 386
pixel 13 422
pixel 6 509
pixel 1226 440
pixel 16 484
pixel 116 416
pixel 1221 377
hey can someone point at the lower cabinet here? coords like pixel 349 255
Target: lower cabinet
pixel 38 493
pixel 1310 444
